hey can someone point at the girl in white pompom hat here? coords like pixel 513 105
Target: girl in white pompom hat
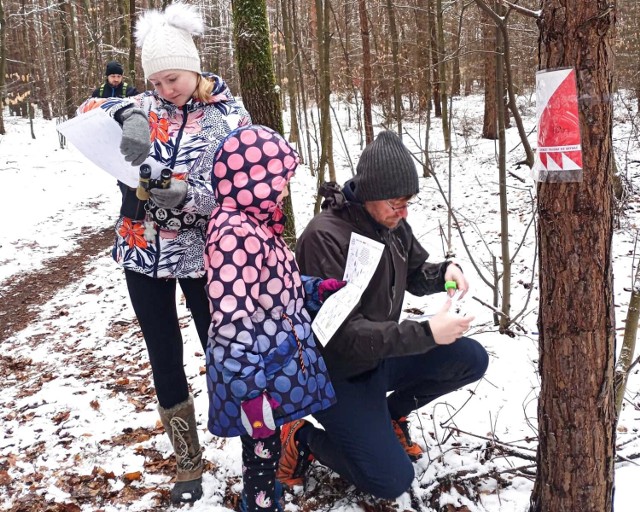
pixel 160 241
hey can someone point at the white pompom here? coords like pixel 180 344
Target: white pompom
pixel 178 15
pixel 185 17
pixel 145 24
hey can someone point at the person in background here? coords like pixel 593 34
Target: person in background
pixel 160 241
pixel 263 365
pixel 382 369
pixel 114 86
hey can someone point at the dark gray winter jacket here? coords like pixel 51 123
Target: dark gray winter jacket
pixel 372 331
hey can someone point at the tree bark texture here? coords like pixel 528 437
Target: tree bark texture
pixel 133 75
pixel 395 55
pixel 442 71
pixel 576 415
pixel 435 83
pixel 323 10
pixel 422 57
pixel 294 135
pixel 255 64
pixel 69 46
pixel 257 80
pixel 3 66
pixel 489 34
pixel 366 71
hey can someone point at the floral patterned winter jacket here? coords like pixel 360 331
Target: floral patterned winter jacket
pixel 184 139
pixel 260 337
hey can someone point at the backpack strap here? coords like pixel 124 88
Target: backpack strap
pixel 125 86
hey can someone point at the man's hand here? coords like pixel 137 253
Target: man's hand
pixel 171 196
pixel 447 327
pixel 453 273
pixel 136 139
pixel 257 416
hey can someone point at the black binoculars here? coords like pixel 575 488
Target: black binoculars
pixel 146 182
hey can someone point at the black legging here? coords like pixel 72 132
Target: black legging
pixel 154 302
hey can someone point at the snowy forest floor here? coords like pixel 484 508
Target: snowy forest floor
pixel 79 429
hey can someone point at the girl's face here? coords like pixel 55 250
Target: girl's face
pixel 175 85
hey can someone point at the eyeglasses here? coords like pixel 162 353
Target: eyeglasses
pixel 398 206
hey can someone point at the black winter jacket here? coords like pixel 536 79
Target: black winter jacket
pixel 106 90
pixel 372 332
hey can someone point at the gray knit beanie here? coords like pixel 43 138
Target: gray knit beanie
pixel 386 170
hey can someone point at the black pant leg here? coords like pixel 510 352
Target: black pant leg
pixel 420 379
pixel 198 304
pixel 154 302
pixel 260 460
pixel 358 441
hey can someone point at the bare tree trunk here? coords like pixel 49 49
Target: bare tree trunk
pixel 503 62
pixel 352 92
pixel 489 34
pixel 455 74
pixel 323 11
pixel 278 58
pixel 442 71
pixel 257 79
pixel 502 175
pixel 94 65
pixel 395 51
pixel 133 76
pixel 624 363
pixel 3 66
pixel 29 78
pixel 635 83
pixel 70 102
pixel 294 132
pixel 366 72
pixel 435 83
pixel 576 409
pixel 301 81
pixel 422 59
pixel 48 36
pixel 44 66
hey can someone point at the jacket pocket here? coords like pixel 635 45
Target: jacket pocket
pixel 131 206
pixel 280 356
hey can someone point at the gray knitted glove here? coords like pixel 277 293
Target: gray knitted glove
pixel 136 138
pixel 171 196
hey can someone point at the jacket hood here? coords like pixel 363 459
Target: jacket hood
pixel 251 169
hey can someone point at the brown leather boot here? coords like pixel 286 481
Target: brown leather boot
pixel 180 424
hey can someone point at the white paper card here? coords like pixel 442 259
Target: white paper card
pixel 362 261
pixel 97 136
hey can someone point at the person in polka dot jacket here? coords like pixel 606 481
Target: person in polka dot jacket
pixel 263 366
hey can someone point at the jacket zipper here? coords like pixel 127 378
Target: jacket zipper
pixel 171 166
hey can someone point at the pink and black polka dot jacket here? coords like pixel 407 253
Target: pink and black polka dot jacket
pixel 260 337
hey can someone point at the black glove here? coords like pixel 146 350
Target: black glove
pixel 136 137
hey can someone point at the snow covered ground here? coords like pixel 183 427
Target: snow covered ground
pixel 79 430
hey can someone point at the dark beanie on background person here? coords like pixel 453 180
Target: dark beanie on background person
pixel 114 68
pixel 386 170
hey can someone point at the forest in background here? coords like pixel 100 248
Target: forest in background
pixel 403 58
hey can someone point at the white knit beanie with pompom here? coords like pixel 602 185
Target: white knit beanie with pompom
pixel 166 38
